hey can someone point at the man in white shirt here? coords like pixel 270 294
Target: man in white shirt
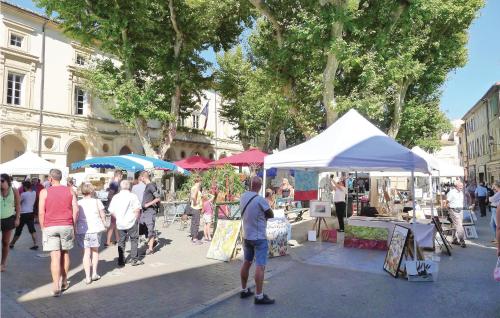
pixel 126 208
pixel 455 201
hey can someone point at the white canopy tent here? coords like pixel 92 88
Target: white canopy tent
pixel 27 163
pixel 352 143
pixel 439 168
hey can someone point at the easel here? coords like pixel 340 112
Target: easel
pixel 317 223
pixel 437 224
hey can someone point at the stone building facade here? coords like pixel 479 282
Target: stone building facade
pixel 480 138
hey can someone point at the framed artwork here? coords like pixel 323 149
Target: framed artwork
pixel 224 240
pixel 277 236
pixel 422 271
pixel 470 231
pixel 396 249
pixel 320 209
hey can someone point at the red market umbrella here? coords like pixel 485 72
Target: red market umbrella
pixel 251 157
pixel 194 163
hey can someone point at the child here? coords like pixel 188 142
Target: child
pixel 208 213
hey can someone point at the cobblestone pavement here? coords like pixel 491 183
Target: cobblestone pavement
pixel 324 288
pixel 176 279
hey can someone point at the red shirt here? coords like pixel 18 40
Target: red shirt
pixel 58 206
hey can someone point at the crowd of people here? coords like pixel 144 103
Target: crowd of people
pixel 130 211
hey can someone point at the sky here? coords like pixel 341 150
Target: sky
pixel 464 86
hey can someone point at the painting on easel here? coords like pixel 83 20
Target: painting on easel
pixel 320 209
pixel 396 249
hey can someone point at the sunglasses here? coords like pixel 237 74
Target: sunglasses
pixel 2 181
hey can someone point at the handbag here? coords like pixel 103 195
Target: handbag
pixel 496 271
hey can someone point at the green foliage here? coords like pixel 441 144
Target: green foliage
pixel 158 44
pixel 224 179
pixel 423 124
pixel 393 58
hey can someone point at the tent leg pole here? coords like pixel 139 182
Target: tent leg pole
pixel 264 183
pixel 432 195
pixel 414 214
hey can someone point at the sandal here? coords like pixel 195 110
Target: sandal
pixel 88 281
pixel 65 287
pixel 96 277
pixel 56 293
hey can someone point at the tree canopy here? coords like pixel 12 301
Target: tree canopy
pixel 305 62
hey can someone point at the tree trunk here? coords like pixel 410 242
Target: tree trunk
pixel 141 128
pixel 398 108
pixel 332 64
pixel 140 123
pixel 169 130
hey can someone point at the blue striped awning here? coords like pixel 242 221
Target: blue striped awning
pixel 130 162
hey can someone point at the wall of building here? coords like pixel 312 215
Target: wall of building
pixel 481 134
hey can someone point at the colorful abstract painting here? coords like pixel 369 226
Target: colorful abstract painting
pixel 306 185
pixel 277 236
pixel 224 240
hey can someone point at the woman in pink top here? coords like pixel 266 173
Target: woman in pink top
pixel 208 213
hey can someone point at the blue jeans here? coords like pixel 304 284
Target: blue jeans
pixel 256 249
pixel 493 220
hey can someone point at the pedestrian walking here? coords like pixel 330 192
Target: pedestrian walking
pixel 455 202
pixel 125 207
pixel 89 226
pixel 208 214
pixel 339 201
pixel 481 194
pixel 28 198
pixel 495 204
pixel 113 189
pixel 139 186
pixel 150 204
pixel 254 213
pixel 37 186
pixel 196 206
pixel 10 215
pixel 58 210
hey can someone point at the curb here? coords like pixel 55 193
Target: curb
pixel 230 293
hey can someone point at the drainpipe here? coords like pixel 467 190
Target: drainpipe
pixel 42 89
pixel 486 176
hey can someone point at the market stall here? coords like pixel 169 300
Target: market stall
pixel 196 163
pixel 30 164
pixel 342 148
pixel 130 162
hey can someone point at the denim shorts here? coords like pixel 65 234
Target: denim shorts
pixel 256 249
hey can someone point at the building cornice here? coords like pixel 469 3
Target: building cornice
pixel 19 54
pixel 27 13
pixel 59 115
pixel 18 26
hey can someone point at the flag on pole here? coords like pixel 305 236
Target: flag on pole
pixel 204 112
